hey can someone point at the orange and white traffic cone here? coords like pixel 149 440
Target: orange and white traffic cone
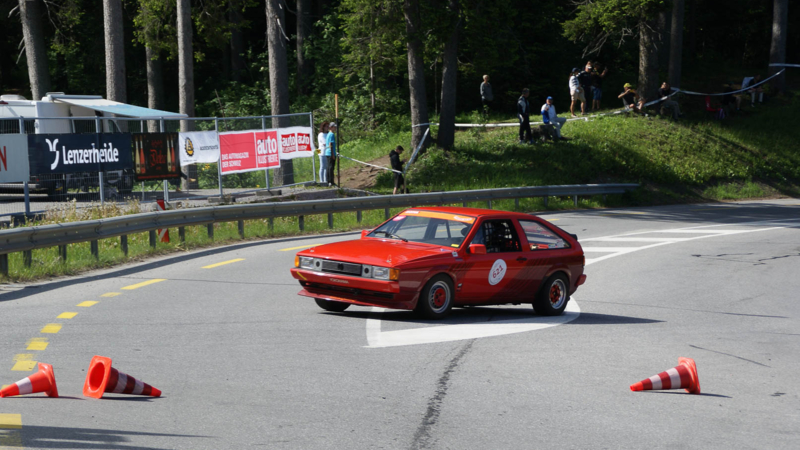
pixel 682 376
pixel 102 378
pixel 163 233
pixel 42 381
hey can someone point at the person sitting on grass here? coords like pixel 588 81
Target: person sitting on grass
pixel 667 103
pixel 629 98
pixel 750 81
pixel 551 119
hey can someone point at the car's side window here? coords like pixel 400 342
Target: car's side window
pixel 540 237
pixel 498 236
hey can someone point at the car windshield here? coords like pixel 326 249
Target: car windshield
pixel 429 227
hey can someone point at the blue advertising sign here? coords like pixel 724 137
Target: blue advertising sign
pixel 72 153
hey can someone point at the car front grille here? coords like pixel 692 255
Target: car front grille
pixel 342 267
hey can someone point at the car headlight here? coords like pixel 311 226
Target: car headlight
pixel 306 262
pixel 385 273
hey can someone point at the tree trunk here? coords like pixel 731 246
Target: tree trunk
pixel 155 85
pixel 447 115
pixel 676 44
pixel 237 44
pixel 777 49
pixel 648 59
pixel 279 78
pixel 186 77
pixel 416 71
pixel 30 14
pixel 303 7
pixel 115 51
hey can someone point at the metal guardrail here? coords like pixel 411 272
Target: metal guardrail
pixel 26 239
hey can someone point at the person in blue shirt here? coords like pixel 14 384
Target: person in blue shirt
pixel 550 117
pixel 331 152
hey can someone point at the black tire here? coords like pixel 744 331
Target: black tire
pixel 553 296
pixel 436 299
pixel 332 306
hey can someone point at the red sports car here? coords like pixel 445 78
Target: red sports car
pixel 431 259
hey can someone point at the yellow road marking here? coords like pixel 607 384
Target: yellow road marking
pixel 37 344
pixel 110 294
pixel 211 266
pixel 24 362
pixel 67 315
pixel 143 284
pixel 298 248
pixel 552 220
pixel 10 431
pixel 10 421
pixel 51 328
pixel 87 303
pixel 3 387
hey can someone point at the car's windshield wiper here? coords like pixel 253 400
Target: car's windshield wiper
pixel 393 236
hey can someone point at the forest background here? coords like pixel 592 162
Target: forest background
pixel 392 62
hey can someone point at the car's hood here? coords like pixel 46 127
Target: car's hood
pixel 376 252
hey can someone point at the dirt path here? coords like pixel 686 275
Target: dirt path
pixel 363 177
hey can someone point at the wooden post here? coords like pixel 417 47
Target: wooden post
pixel 123 243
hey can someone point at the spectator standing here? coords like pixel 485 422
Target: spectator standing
pixel 550 117
pixel 487 97
pixel 397 164
pixel 629 97
pixel 322 137
pixel 585 80
pixel 669 103
pixel 597 86
pixel 523 113
pixel 576 92
pixel 750 81
pixel 331 152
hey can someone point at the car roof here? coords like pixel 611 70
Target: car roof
pixel 476 212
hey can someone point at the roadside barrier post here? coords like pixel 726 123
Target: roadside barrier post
pixel 4 264
pixel 575 200
pixel 516 204
pixel 358 216
pixel 25 184
pixel 489 204
pixel 27 258
pixel 301 220
pixel 271 224
pixel 386 214
pixel 182 234
pixel 330 220
pixel 62 253
pixel 123 243
pixel 210 229
pixel 98 128
pixel 95 249
pixel 241 229
pixel 152 234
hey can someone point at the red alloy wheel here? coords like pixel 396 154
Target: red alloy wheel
pixel 439 297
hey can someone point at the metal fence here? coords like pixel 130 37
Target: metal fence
pixel 204 180
pixel 26 239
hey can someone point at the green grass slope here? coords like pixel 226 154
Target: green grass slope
pixel 752 154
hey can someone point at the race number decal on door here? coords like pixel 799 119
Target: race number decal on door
pixel 498 272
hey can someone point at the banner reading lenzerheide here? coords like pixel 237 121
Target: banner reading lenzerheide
pixel 245 151
pixel 296 142
pixel 198 147
pixel 155 157
pixel 71 153
pixel 14 165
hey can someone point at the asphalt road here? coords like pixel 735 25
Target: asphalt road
pixel 244 362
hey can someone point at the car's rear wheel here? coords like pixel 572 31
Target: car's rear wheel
pixel 436 299
pixel 553 296
pixel 332 306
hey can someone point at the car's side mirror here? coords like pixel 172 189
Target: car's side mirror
pixel 477 249
pixel 364 233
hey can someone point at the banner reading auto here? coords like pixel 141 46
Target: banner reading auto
pixel 245 151
pixel 296 142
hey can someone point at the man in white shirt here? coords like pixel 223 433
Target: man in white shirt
pixel 550 117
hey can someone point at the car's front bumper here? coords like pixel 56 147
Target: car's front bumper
pixel 355 290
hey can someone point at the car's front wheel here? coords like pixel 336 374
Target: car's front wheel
pixel 332 306
pixel 436 299
pixel 553 296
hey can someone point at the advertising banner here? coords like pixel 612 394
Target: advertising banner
pixel 14 165
pixel 245 151
pixel 155 156
pixel 198 147
pixel 71 153
pixel 296 142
